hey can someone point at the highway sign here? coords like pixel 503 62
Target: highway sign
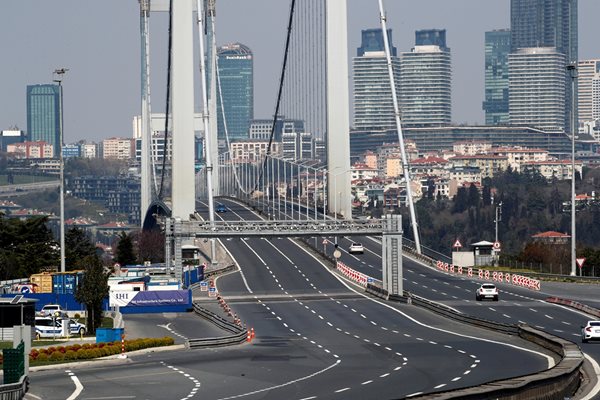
pixel 203 286
pixel 457 244
pixel 212 292
pixel 496 245
pixel 25 289
pixel 580 262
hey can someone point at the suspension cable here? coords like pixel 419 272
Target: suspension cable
pixel 168 101
pixel 281 79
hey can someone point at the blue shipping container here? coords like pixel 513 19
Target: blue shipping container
pixel 65 283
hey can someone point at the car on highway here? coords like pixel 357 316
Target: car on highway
pixel 221 208
pixel 591 331
pixel 487 291
pixel 356 248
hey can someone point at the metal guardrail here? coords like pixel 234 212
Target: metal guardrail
pixel 239 333
pixel 15 391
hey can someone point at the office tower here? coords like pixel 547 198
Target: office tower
pixel 547 23
pixel 236 76
pixel 43 115
pixel 425 82
pixel 537 88
pixel 11 136
pixel 495 105
pixel 373 103
pixel 589 72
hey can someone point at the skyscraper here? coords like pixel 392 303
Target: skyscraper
pixel 537 88
pixel 547 23
pixel 373 103
pixel 495 105
pixel 426 81
pixel 43 114
pixel 236 75
pixel 589 72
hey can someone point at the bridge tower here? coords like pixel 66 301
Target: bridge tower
pixel 338 114
pixel 392 254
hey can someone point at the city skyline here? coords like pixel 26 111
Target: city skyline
pixel 102 86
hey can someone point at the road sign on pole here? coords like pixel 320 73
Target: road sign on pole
pixel 457 244
pixel 496 245
pixel 580 262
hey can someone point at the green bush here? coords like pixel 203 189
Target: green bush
pixel 70 355
pixel 57 356
pixel 42 357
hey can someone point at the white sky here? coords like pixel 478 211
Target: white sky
pixel 99 42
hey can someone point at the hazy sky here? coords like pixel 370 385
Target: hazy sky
pixel 99 42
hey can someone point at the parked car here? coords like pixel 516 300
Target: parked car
pixel 356 248
pixel 76 328
pixel 53 310
pixel 221 208
pixel 591 331
pixel 47 327
pixel 487 291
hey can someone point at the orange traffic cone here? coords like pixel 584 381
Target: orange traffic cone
pixel 249 337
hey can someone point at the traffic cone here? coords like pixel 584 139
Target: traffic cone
pixel 249 337
pixel 252 332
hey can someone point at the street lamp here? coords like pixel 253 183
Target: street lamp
pixel 572 69
pixel 58 78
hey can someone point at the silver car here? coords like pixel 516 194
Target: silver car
pixel 591 331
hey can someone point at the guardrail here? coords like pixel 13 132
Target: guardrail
pixel 15 391
pixel 556 383
pixel 239 333
pixel 575 304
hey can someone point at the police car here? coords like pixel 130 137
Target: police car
pixel 48 327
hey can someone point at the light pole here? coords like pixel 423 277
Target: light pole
pixel 498 217
pixel 572 68
pixel 58 78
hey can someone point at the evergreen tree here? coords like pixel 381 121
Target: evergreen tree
pixel 78 246
pixel 92 289
pixel 473 199
pixel 124 254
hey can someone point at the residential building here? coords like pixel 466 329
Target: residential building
pixel 488 164
pixel 261 128
pixel 428 166
pixel 470 148
pixel 363 172
pixel 297 146
pixel 370 159
pixel 89 150
pixel 426 84
pixel 373 102
pixel 537 88
pixel 43 115
pixel 235 96
pixel 551 237
pixel 588 95
pixel 119 148
pixel 462 174
pixel 553 169
pixel 517 156
pixel 252 151
pixel 495 105
pixel 548 23
pixel 39 149
pixel 10 136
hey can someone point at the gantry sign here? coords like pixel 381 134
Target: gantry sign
pixel 390 228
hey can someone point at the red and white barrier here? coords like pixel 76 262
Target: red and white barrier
pixel 517 280
pixel 354 275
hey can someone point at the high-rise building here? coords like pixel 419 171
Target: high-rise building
pixel 589 71
pixel 547 23
pixel 43 115
pixel 495 105
pixel 431 37
pixel 236 76
pixel 537 88
pixel 426 82
pixel 373 103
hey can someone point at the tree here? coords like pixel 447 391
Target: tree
pixel 78 246
pixel 124 254
pixel 92 290
pixel 151 246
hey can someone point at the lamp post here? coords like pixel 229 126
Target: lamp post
pixel 572 68
pixel 498 217
pixel 58 73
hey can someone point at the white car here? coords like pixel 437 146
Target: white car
pixel 591 331
pixel 53 310
pixel 487 291
pixel 356 248
pixel 47 327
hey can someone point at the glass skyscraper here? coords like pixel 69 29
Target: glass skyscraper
pixel 373 103
pixel 236 74
pixel 547 23
pixel 426 81
pixel 495 105
pixel 43 114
